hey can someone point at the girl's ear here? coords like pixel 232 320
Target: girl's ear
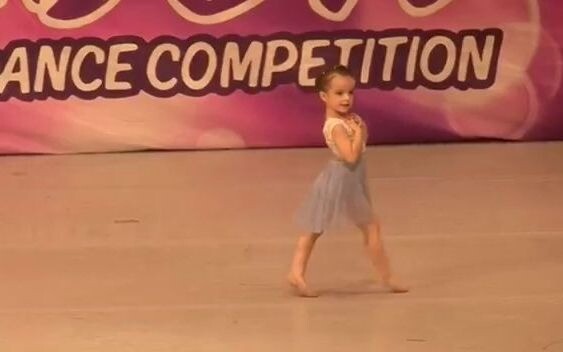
pixel 323 96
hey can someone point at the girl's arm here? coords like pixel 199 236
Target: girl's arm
pixel 349 150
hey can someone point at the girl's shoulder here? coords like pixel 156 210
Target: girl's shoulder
pixel 331 122
pixel 356 116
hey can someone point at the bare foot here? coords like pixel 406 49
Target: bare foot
pixel 300 286
pixel 395 288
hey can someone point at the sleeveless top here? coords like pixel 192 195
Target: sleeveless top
pixel 329 125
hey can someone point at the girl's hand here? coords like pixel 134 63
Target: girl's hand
pixel 358 120
pixel 361 124
pixel 356 127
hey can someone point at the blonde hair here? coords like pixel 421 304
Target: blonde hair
pixel 323 80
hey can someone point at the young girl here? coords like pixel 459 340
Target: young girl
pixel 340 193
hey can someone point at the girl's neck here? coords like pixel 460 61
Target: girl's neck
pixel 329 113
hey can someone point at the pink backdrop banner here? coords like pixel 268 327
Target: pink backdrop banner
pixel 118 75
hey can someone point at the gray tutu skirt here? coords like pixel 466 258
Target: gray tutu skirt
pixel 339 197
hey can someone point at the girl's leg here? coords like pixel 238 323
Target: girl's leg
pixel 301 257
pixel 376 252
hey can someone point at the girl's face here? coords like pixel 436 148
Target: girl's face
pixel 339 95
